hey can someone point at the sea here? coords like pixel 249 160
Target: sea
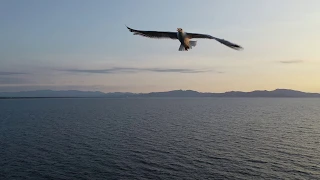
pixel 160 138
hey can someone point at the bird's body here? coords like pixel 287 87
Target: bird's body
pixel 183 40
pixel 183 37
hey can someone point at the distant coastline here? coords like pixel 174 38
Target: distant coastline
pixel 277 93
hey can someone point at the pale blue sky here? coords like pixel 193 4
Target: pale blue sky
pixel 48 40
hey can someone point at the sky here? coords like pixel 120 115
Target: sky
pixel 85 45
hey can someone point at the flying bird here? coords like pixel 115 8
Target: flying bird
pixel 183 37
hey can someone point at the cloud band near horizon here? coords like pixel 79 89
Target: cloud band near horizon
pixel 291 61
pixel 137 70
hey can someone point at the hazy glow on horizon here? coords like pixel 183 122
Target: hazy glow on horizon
pixel 44 44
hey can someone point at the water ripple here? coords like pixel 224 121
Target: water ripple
pixel 173 138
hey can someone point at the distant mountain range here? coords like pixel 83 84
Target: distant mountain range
pixel 174 93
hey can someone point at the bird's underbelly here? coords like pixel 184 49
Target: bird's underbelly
pixel 183 40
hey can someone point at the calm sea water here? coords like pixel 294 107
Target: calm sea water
pixel 173 138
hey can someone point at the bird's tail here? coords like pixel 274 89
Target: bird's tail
pixel 192 43
pixel 181 48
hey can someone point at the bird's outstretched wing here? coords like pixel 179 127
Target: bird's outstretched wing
pixel 222 41
pixel 154 34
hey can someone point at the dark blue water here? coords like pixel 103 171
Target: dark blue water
pixel 195 138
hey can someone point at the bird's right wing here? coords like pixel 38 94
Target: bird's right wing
pixel 222 41
pixel 154 34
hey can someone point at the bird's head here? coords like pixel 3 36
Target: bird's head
pixel 179 30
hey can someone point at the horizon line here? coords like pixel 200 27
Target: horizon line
pixel 157 91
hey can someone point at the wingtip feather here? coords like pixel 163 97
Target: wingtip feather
pixel 230 44
pixel 131 30
pixel 236 47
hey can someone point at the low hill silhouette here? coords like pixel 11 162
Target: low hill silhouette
pixel 173 93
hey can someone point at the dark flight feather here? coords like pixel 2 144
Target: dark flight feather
pixel 154 34
pixel 222 41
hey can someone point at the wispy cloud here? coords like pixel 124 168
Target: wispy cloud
pixel 291 61
pixel 13 80
pixel 7 77
pixel 135 70
pixel 11 73
pixel 27 87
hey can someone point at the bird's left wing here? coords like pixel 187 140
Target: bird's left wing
pixel 222 41
pixel 154 34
